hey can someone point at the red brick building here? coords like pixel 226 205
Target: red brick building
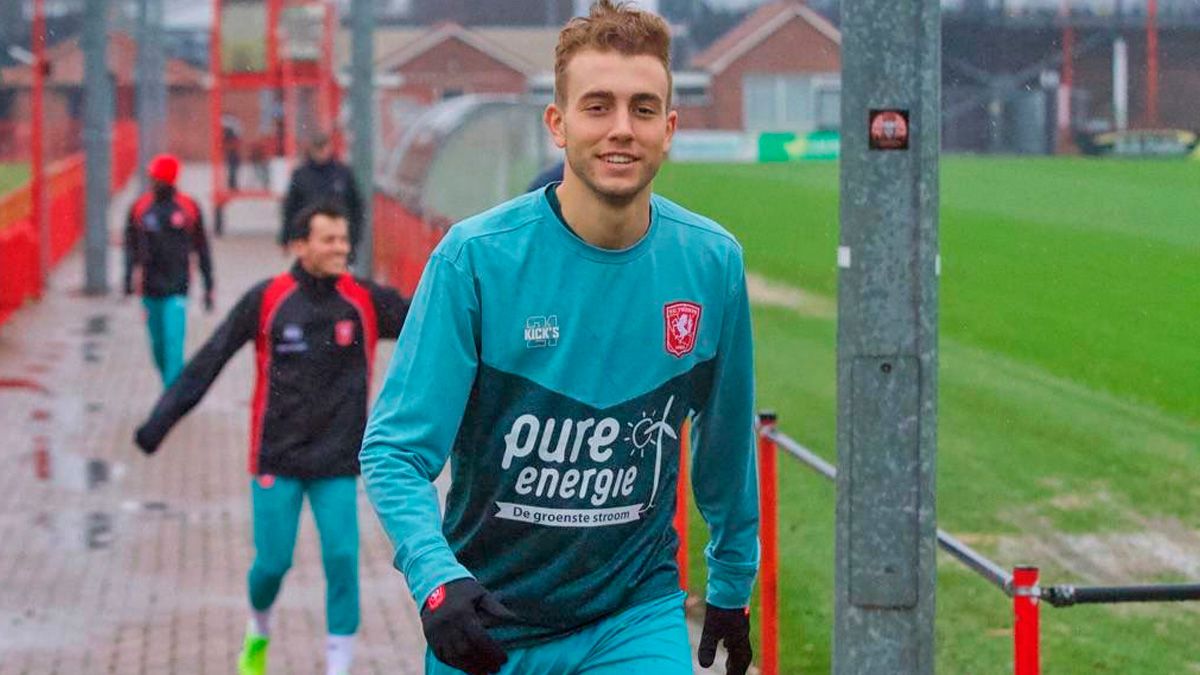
pixel 778 70
pixel 187 97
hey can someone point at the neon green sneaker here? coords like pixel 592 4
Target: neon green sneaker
pixel 253 659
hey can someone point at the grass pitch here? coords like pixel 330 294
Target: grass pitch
pixel 12 175
pixel 1069 409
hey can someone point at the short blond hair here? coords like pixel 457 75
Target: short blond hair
pixel 612 26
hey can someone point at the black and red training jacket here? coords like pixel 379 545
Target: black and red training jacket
pixel 314 342
pixel 164 227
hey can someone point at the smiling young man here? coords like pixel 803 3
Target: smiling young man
pixel 558 342
pixel 314 329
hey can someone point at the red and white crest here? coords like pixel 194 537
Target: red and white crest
pixel 436 598
pixel 682 321
pixel 177 219
pixel 343 333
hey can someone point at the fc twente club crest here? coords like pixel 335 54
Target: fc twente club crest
pixel 682 321
pixel 343 332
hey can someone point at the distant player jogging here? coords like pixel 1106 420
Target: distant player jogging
pixel 314 329
pixel 556 344
pixel 162 232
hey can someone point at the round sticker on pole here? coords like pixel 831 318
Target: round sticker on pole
pixel 888 129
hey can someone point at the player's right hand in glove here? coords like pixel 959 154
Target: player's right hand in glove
pixel 454 619
pixel 148 437
pixel 732 626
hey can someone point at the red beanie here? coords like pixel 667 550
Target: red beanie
pixel 164 169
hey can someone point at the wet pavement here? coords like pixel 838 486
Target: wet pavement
pixel 113 562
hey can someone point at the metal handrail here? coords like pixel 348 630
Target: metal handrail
pixel 1062 595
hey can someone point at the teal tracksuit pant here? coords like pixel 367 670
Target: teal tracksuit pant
pixel 166 319
pixel 647 638
pixel 276 504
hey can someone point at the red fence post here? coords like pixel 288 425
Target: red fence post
pixel 1025 620
pixel 37 171
pixel 681 503
pixel 768 575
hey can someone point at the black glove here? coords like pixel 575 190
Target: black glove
pixel 454 619
pixel 208 301
pixel 732 626
pixel 148 437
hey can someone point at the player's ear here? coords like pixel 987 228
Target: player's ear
pixel 672 123
pixel 555 124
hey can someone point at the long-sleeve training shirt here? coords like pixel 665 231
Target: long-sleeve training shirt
pixel 555 376
pixel 314 342
pixel 161 232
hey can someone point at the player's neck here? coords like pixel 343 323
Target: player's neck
pixel 602 223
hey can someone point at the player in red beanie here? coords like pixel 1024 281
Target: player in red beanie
pixel 164 169
pixel 164 228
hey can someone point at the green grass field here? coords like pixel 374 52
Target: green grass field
pixel 1069 409
pixel 12 175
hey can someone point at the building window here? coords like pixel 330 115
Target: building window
pixel 791 102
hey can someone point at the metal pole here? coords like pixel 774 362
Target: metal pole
pixel 37 183
pixel 362 120
pixel 141 92
pixel 215 70
pixel 150 92
pixel 157 85
pixel 97 137
pixel 1120 75
pixel 887 337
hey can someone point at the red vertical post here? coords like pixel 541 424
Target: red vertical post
pixel 37 171
pixel 1152 63
pixel 768 533
pixel 681 502
pixel 291 102
pixel 1025 595
pixel 1067 81
pixel 274 10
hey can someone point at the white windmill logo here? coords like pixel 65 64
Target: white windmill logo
pixel 647 430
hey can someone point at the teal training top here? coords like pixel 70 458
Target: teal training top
pixel 556 376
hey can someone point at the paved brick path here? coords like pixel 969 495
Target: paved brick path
pixel 111 562
pixel 115 563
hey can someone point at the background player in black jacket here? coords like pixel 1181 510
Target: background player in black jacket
pixel 322 179
pixel 162 231
pixel 314 329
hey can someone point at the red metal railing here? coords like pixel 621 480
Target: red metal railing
pixel 19 253
pixel 403 241
pixel 1021 586
pixel 1025 621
